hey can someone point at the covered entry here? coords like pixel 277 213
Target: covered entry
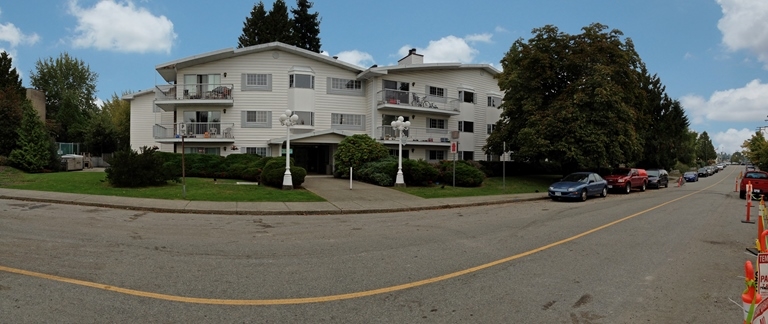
pixel 314 150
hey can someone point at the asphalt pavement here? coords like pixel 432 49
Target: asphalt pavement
pixel 342 197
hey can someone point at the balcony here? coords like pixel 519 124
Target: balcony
pixel 413 102
pixel 416 136
pixel 211 132
pixel 168 97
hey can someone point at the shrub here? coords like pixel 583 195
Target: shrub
pixel 467 175
pixel 419 172
pixel 380 172
pixel 356 150
pixel 129 168
pixel 274 169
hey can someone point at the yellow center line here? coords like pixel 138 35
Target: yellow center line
pixel 306 300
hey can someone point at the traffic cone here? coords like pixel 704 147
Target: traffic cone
pixel 749 297
pixel 749 208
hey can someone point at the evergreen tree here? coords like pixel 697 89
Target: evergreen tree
pixel 12 96
pixel 306 27
pixel 278 25
pixel 33 152
pixel 253 27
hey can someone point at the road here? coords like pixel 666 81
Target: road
pixel 672 255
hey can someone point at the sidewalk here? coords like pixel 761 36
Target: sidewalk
pixel 361 198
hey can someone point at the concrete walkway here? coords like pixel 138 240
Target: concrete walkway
pixel 361 198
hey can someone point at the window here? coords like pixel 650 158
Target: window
pixel 256 119
pixel 347 121
pixel 396 153
pixel 256 82
pixel 494 101
pixel 261 151
pixel 466 126
pixel 342 86
pixel 437 92
pixel 467 96
pixel 489 128
pixel 306 118
pixel 303 81
pixel 435 155
pixel 436 123
pixel 467 155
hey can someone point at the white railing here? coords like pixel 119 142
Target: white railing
pixel 417 99
pixel 414 134
pixel 194 91
pixel 194 130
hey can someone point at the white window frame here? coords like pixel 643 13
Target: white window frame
pixel 439 155
pixel 341 86
pixel 463 93
pixel 347 121
pixel 436 123
pixel 463 124
pixel 494 101
pixel 489 128
pixel 263 119
pixel 257 150
pixel 295 79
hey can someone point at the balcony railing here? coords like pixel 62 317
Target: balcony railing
pixel 414 134
pixel 194 91
pixel 410 99
pixel 213 130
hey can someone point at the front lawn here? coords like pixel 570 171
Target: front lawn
pixel 491 186
pixel 201 189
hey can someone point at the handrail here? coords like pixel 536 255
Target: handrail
pixel 417 99
pixel 195 91
pixel 195 130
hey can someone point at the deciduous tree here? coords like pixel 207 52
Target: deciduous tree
pixel 70 90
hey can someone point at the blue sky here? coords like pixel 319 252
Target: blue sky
pixel 712 55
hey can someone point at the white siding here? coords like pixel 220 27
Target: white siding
pixel 142 121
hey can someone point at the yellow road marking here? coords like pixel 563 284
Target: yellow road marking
pixel 306 300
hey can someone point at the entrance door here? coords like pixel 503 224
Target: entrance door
pixel 313 158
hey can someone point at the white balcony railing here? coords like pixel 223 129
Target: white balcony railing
pixel 410 99
pixel 213 130
pixel 194 91
pixel 414 134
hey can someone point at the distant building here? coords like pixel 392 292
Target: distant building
pixel 228 101
pixel 37 97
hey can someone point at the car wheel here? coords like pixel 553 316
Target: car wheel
pixel 628 189
pixel 666 185
pixel 604 193
pixel 584 195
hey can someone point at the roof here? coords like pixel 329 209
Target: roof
pixel 169 70
pixel 342 133
pixel 131 96
pixel 379 71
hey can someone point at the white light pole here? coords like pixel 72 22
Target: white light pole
pixel 288 119
pixel 400 126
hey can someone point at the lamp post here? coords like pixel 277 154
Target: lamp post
pixel 288 119
pixel 400 126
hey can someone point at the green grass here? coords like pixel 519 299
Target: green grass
pixel 201 189
pixel 490 187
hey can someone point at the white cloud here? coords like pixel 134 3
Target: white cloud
pixel 14 36
pixel 361 59
pixel 746 104
pixel 446 49
pixel 730 141
pixel 500 29
pixel 98 102
pixel 745 26
pixel 121 27
pixel 479 38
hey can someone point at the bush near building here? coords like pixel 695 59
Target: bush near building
pixel 380 172
pixel 467 174
pixel 273 172
pixel 129 168
pixel 356 150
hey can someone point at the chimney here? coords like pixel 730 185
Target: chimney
pixel 412 58
pixel 335 57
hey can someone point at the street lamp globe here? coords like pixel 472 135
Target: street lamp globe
pixel 288 119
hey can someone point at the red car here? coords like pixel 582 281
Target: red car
pixel 624 179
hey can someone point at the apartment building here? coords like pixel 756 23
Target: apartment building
pixel 229 102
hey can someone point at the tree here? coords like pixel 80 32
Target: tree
pixel 756 150
pixel 12 97
pixel 737 157
pixel 278 25
pixel 705 151
pixel 253 27
pixel 100 136
pixel 570 99
pixel 34 145
pixel 119 111
pixel 70 90
pixel 306 27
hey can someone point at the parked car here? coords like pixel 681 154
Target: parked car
pixel 624 179
pixel 579 185
pixel 658 178
pixel 691 176
pixel 703 172
pixel 759 182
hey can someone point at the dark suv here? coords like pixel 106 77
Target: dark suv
pixel 658 178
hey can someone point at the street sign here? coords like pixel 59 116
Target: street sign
pixel 454 147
